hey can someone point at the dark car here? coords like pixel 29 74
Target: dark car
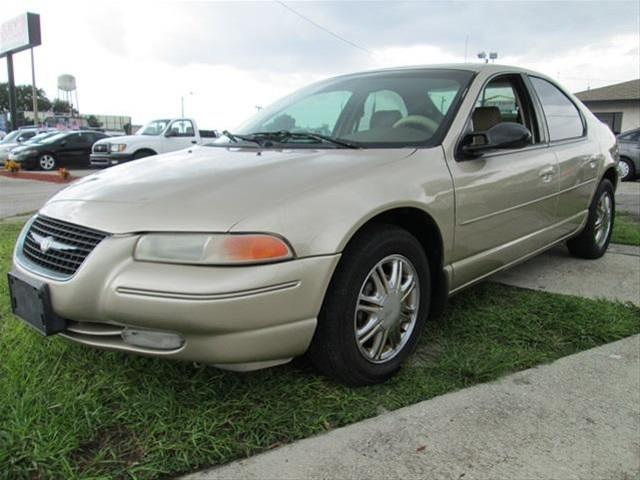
pixel 65 149
pixel 629 145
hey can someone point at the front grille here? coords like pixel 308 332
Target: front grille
pixel 58 246
pixel 101 147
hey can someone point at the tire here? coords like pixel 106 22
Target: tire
pixel 593 240
pixel 142 153
pixel 345 315
pixel 47 162
pixel 627 169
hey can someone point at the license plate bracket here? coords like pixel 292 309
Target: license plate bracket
pixel 31 301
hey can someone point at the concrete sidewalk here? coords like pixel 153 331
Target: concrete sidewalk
pixel 577 418
pixel 615 276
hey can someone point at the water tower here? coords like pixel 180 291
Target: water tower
pixel 67 90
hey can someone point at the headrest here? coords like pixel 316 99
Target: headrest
pixel 384 118
pixel 485 117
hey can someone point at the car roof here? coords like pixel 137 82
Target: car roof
pixel 488 68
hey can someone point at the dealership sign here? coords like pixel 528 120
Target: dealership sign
pixel 19 33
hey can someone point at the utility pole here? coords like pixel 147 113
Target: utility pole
pixel 466 47
pixel 12 92
pixel 34 91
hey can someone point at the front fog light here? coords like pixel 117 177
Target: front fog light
pixel 152 339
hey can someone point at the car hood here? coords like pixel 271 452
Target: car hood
pixel 125 139
pixel 205 188
pixel 5 147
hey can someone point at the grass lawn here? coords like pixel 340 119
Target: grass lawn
pixel 67 411
pixel 626 230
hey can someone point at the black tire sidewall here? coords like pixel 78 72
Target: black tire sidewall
pixel 584 245
pixel 339 309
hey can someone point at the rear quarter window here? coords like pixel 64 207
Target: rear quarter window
pixel 563 118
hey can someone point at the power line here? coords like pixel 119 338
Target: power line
pixel 326 30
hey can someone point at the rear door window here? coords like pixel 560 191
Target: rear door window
pixel 563 118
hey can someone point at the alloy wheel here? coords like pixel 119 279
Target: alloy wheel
pixel 387 309
pixel 603 219
pixel 47 162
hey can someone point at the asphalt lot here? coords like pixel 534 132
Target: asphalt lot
pixel 21 197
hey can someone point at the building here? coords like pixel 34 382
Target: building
pixel 115 123
pixel 616 105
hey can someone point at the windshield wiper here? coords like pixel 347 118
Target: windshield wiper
pixel 235 137
pixel 284 135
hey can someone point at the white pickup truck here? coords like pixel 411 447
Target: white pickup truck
pixel 159 136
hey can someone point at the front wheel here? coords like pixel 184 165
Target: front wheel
pixel 594 239
pixel 375 308
pixel 47 162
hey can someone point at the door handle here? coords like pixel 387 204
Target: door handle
pixel 546 174
pixel 194 141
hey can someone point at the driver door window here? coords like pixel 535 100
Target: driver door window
pixel 504 99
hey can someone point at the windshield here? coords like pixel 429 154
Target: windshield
pixel 55 137
pixel 153 128
pixel 11 137
pixel 382 109
pixel 41 136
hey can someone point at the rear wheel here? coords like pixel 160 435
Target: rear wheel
pixel 47 162
pixel 627 169
pixel 594 239
pixel 375 308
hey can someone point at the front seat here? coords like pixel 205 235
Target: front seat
pixel 384 119
pixel 485 117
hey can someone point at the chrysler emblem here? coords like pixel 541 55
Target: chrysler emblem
pixel 50 243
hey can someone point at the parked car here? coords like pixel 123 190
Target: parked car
pixel 159 136
pixel 64 149
pixel 16 138
pixel 629 147
pixel 334 222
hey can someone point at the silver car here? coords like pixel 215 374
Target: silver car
pixel 335 222
pixel 629 147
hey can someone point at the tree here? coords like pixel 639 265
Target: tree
pixel 93 121
pixel 24 98
pixel 62 106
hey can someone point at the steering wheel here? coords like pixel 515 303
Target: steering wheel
pixel 420 121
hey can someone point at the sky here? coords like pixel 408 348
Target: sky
pixel 139 58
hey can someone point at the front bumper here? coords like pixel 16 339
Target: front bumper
pixel 109 159
pixel 234 317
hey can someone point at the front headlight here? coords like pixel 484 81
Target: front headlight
pixel 117 147
pixel 212 249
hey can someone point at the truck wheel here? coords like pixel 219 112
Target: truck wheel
pixel 627 169
pixel 375 308
pixel 594 239
pixel 142 154
pixel 47 162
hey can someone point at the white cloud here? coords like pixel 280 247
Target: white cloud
pixel 139 58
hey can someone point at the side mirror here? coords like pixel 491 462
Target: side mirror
pixel 63 143
pixel 504 135
pixel 170 133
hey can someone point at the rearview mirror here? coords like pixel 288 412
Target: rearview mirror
pixel 504 135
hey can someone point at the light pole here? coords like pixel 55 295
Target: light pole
pixel 491 56
pixel 182 104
